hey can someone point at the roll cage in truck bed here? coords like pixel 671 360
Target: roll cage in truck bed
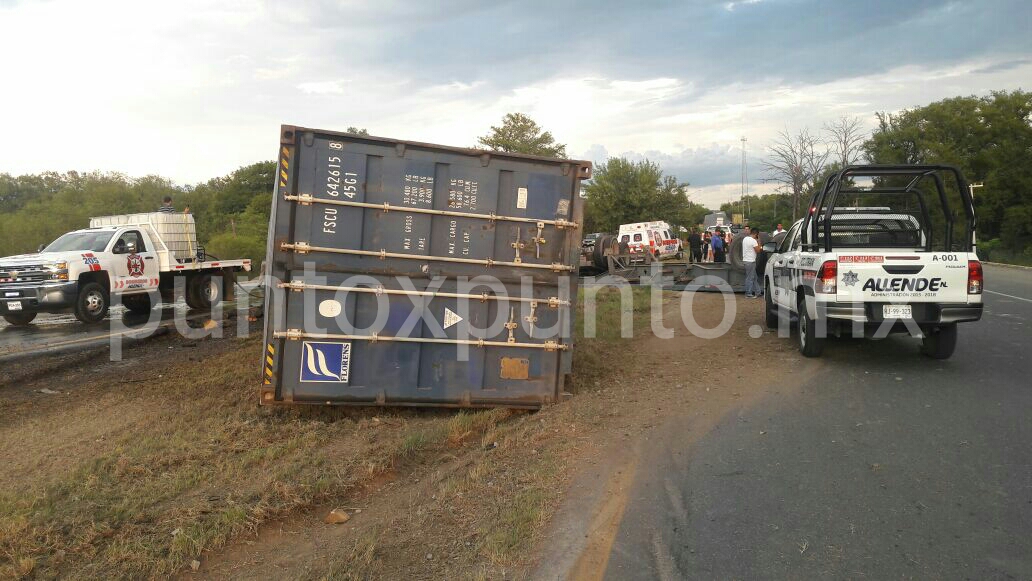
pixel 824 200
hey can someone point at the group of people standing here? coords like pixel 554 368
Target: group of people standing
pixel 713 247
pixel 708 246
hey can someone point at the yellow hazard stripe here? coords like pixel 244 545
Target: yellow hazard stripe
pixel 269 362
pixel 284 166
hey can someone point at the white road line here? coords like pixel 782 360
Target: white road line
pixel 1010 296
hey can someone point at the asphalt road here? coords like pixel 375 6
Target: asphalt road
pixel 881 465
pixel 55 332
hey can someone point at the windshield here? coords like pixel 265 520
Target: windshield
pixel 81 241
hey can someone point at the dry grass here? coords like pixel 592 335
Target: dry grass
pixel 197 464
pixel 198 469
pixel 599 356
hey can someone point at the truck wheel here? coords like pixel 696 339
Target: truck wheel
pixel 810 345
pixel 768 303
pixel 604 246
pixel 138 304
pixel 91 305
pixel 203 293
pixel 940 343
pixel 19 319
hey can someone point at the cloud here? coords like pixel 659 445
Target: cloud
pixel 193 89
pixel 323 87
pixel 730 6
pixel 1002 66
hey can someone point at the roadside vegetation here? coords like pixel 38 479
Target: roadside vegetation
pixel 988 137
pixel 140 477
pixel 232 212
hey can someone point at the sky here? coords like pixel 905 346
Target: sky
pixel 193 89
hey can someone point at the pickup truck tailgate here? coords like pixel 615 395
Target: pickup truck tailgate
pixel 903 277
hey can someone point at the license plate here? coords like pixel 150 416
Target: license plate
pixel 897 312
pixel 14 306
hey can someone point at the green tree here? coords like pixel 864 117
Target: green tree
pixel 622 192
pixel 520 134
pixel 356 130
pixel 232 212
pixel 989 138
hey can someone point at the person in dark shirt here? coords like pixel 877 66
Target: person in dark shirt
pixel 695 246
pixel 717 240
pixel 166 206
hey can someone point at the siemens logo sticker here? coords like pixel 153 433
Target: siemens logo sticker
pixel 325 362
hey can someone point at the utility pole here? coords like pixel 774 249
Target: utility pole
pixel 971 188
pixel 745 183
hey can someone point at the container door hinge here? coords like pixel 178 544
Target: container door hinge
pixel 298 247
pixel 305 199
pixel 553 346
pixel 518 245
pixel 531 319
pixel 512 325
pixel 294 334
pixel 539 240
pixel 296 285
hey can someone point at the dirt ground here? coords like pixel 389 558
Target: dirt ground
pixel 162 465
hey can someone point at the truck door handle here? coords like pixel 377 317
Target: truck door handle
pixel 148 258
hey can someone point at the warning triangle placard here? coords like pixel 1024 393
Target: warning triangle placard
pixel 450 317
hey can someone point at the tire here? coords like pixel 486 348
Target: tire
pixel 138 304
pixel 768 303
pixel 202 292
pixel 605 245
pixel 19 319
pixel 810 345
pixel 733 254
pixel 92 303
pixel 940 343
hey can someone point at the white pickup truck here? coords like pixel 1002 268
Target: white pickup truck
pixel 894 257
pixel 130 256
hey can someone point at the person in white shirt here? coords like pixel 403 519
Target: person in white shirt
pixel 778 231
pixel 750 247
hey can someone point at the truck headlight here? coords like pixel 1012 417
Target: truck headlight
pixel 59 271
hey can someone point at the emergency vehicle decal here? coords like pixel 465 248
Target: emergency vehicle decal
pixel 135 265
pixel 91 261
pixel 850 278
pixel 861 259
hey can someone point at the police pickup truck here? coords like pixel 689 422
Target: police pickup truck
pixel 881 249
pixel 136 257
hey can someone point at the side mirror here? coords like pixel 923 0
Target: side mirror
pixel 41 248
pixel 770 247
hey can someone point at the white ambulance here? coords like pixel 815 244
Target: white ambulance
pixel 656 237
